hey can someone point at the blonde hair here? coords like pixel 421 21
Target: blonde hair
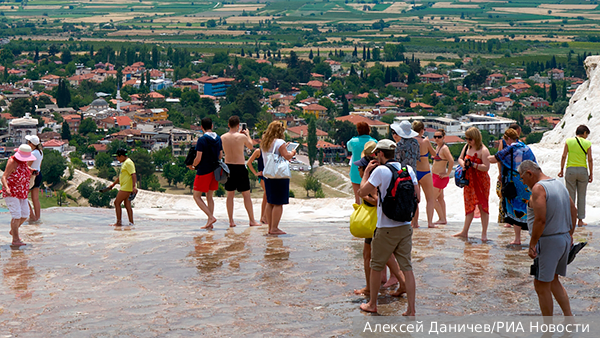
pixel 474 134
pixel 418 126
pixel 274 131
pixel 512 134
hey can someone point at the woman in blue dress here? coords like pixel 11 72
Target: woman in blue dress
pixel 515 194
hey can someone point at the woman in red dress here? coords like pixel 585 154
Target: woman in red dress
pixel 474 160
pixel 15 188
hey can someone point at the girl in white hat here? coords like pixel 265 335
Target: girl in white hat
pixel 34 142
pixel 15 188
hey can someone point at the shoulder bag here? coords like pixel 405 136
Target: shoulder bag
pixel 509 190
pixel 363 221
pixel 276 166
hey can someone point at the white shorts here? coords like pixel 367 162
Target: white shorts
pixel 19 208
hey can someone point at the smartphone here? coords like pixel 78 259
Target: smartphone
pixel 292 146
pixel 243 126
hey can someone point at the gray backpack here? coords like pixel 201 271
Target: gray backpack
pixel 222 172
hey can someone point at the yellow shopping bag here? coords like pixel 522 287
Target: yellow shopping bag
pixel 363 221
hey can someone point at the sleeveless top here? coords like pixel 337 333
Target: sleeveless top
pixel 577 158
pixel 558 209
pixel 407 152
pixel 261 163
pixel 18 181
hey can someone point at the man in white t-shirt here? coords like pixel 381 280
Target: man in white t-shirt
pixel 390 236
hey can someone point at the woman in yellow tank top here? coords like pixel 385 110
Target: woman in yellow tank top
pixel 580 168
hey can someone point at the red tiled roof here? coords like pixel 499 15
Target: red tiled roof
pixel 314 106
pixel 303 130
pixel 359 118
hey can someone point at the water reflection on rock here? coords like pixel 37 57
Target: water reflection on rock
pixel 78 274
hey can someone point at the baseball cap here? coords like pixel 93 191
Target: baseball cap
pixel 385 145
pixel 33 139
pixel 121 152
pixel 363 162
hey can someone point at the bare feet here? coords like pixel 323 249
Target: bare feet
pixel 484 239
pixel 117 224
pixel 392 281
pixel 581 223
pixel 415 225
pixel 441 222
pixel 209 223
pixel 255 224
pixel 398 292
pixel 19 243
pixel 232 224
pixel 460 234
pixel 409 314
pixel 367 308
pixel 432 225
pixel 515 243
pixel 364 291
pixel 264 221
pixel 276 232
pixel 506 225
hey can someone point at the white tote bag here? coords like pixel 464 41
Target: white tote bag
pixel 276 166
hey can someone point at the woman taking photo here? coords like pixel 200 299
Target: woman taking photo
pixel 441 169
pixel 278 189
pixel 34 142
pixel 15 187
pixel 474 160
pixel 356 146
pixel 515 193
pixel 424 174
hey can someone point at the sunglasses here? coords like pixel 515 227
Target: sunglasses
pixel 438 136
pixel 468 139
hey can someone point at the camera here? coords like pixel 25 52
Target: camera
pixel 243 126
pixel 535 268
pixel 463 182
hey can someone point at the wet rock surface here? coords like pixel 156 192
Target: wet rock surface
pixel 78 276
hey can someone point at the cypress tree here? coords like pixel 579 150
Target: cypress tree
pixel 312 141
pixel 310 55
pixel 364 53
pixel 242 52
pixel 65 132
pixel 368 53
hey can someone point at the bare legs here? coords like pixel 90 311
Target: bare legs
pixel 35 211
pixel 375 284
pixel 15 223
pixel 247 205
pixel 545 291
pixel 123 197
pixel 355 187
pixel 440 206
pixel 485 219
pixel 263 207
pixel 207 209
pixel 274 213
pixel 394 269
pixel 426 185
pixel 517 240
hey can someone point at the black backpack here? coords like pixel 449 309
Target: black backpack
pixel 400 202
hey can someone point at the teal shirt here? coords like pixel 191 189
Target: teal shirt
pixel 356 145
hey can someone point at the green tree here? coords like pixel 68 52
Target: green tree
pixel 63 94
pixel 103 160
pixel 342 131
pixel 19 107
pixel 87 126
pixel 53 166
pixel 311 183
pixel 65 132
pixel 163 156
pixel 312 141
pixel 143 162
pixel 189 178
pixel 86 188
pixel 553 92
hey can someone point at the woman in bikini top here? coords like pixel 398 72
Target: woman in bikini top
pixel 424 173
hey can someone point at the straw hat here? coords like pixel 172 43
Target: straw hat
pixel 24 153
pixel 368 149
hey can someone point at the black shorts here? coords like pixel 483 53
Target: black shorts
pixel 238 178
pixel 38 181
pixel 370 240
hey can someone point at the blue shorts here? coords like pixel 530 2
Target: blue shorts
pixel 278 190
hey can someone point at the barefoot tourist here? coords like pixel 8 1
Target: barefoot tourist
pixel 36 166
pixel 514 200
pixel 391 237
pixel 551 216
pixel 127 179
pixel 580 168
pixel 501 207
pixel 278 189
pixel 407 149
pixel 257 155
pixel 440 173
pixel 424 174
pixel 15 187
pixel 208 152
pixel 371 201
pixel 474 160
pixel 234 142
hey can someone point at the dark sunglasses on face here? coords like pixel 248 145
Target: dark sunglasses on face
pixel 438 136
pixel 468 139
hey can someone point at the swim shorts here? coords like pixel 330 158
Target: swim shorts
pixel 238 178
pixel 204 183
pixel 553 254
pixel 439 182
